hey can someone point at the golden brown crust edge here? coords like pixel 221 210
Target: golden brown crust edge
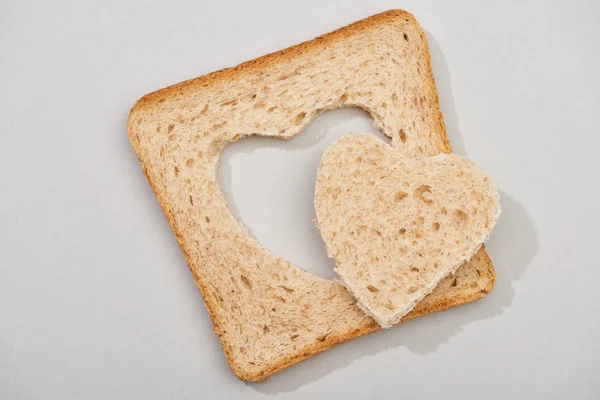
pixel 333 339
pixel 273 58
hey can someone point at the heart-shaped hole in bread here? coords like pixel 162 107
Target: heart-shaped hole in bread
pixel 269 185
pixel 396 226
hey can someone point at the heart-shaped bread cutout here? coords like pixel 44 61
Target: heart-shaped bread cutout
pixel 396 226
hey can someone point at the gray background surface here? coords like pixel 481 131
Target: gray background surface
pixel 96 300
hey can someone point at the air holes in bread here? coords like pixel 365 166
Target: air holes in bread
pixel 399 196
pixel 287 289
pixel 423 193
pixel 372 288
pixel 218 126
pixel 402 136
pixel 460 217
pixel 322 337
pixel 299 118
pixel 229 103
pixel 246 282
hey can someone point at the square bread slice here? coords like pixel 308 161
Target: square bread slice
pixel 268 313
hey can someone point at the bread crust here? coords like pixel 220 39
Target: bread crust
pixel 481 262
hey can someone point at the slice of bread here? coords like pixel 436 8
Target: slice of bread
pixel 268 313
pixel 396 226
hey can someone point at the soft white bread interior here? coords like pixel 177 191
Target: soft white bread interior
pixel 396 226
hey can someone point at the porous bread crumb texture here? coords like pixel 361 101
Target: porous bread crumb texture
pixel 396 225
pixel 268 313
